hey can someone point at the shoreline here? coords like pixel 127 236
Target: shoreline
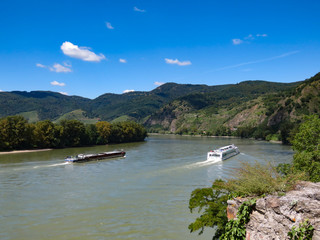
pixel 233 137
pixel 25 151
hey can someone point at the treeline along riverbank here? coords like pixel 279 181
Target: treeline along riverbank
pixel 16 133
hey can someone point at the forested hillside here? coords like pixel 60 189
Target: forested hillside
pixel 249 109
pixel 43 105
pixel 39 105
pixel 259 109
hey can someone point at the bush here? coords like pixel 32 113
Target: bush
pixel 249 180
pixel 306 143
pixel 258 179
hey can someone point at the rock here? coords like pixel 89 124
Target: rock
pixel 274 216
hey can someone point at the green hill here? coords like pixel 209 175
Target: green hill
pixel 256 106
pixel 42 104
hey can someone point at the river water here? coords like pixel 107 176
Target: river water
pixel 142 196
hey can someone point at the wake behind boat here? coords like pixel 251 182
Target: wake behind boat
pixel 97 156
pixel 223 153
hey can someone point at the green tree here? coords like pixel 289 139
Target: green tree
pixel 15 133
pixel 213 202
pixel 104 132
pixel 46 134
pixel 72 133
pixel 91 134
pixel 306 143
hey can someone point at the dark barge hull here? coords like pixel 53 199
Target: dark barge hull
pixel 94 157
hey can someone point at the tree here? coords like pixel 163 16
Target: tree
pixel 15 133
pixel 306 143
pixel 91 134
pixel 46 134
pixel 72 133
pixel 214 202
pixel 104 132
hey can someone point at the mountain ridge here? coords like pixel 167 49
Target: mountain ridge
pixel 176 108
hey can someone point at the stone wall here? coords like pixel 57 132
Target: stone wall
pixel 274 216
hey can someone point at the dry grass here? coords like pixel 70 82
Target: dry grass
pixel 258 179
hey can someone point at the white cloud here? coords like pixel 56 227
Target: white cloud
pixel 82 53
pixel 122 60
pixel 158 83
pixel 249 37
pixel 262 35
pixel 40 65
pixel 1 90
pixel 64 93
pixel 176 61
pixel 109 25
pixel 127 91
pixel 237 41
pixel 55 83
pixel 138 10
pixel 67 64
pixel 59 68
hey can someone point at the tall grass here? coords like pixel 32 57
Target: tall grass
pixel 258 179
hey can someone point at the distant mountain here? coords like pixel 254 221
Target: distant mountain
pixel 39 105
pixel 251 104
pixel 178 108
pixel 139 105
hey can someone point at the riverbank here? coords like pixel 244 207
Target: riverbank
pixel 198 135
pixel 25 151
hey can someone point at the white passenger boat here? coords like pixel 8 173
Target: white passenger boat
pixel 223 153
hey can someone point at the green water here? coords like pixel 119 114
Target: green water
pixel 142 196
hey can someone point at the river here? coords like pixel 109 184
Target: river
pixel 142 196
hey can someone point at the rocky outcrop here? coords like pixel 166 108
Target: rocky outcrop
pixel 274 216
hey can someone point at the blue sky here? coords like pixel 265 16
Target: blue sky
pixel 88 48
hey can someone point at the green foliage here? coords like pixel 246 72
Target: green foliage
pixel 258 179
pixel 72 134
pixel 104 132
pixel 213 202
pixel 303 232
pixel 236 228
pixel 307 145
pixel 46 134
pixel 17 133
pixel 249 180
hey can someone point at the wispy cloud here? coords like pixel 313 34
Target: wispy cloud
pixel 256 61
pixel 108 25
pixel 57 67
pixel 158 83
pixel 127 91
pixel 1 90
pixel 64 93
pixel 236 41
pixel 138 9
pixel 40 65
pixel 176 61
pixel 262 35
pixel 122 60
pixel 55 83
pixel 82 53
pixel 247 39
